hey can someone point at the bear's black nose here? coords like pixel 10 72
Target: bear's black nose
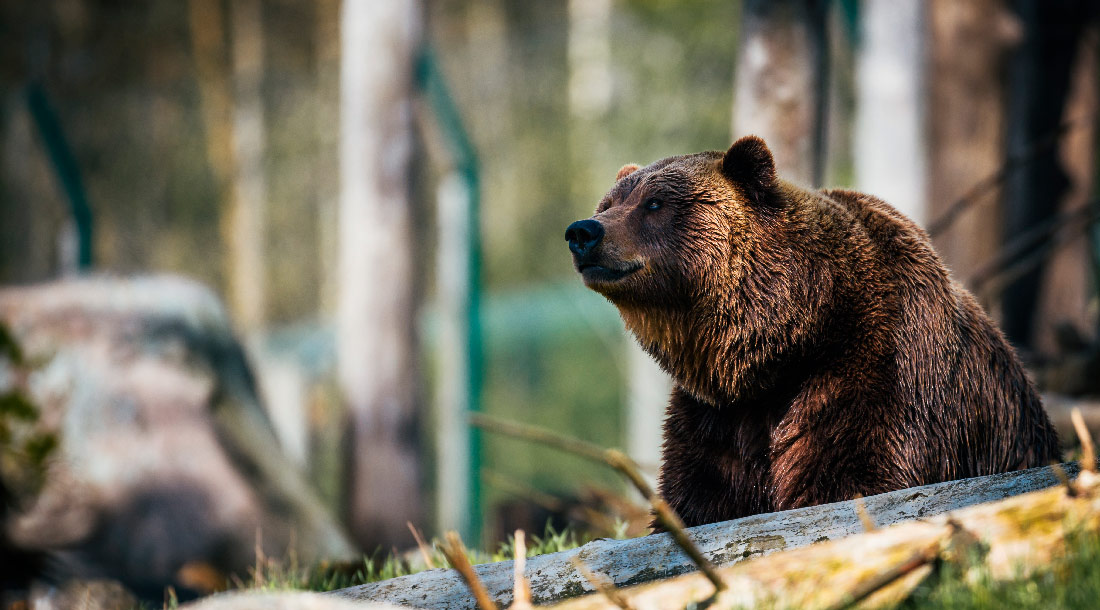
pixel 583 235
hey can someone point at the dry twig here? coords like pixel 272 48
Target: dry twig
pixel 425 553
pixel 1063 478
pixel 455 552
pixel 521 591
pixel 864 516
pixel 1029 249
pixel 1088 453
pixel 997 178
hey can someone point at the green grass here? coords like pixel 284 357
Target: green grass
pixel 277 575
pixel 1070 582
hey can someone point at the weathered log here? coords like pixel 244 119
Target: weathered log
pixel 639 560
pixel 1011 538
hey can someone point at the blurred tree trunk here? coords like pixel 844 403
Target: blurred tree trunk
pixel 780 87
pixel 966 123
pixel 1039 84
pixel 1068 288
pixel 376 310
pixel 34 212
pixel 245 228
pixel 232 114
pixel 889 131
pixel 327 58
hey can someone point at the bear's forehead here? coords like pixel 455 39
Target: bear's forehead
pixel 669 172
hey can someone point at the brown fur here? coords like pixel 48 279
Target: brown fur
pixel 819 347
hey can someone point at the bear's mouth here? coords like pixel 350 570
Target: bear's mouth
pixel 603 273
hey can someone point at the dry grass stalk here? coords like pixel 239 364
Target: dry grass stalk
pixel 521 591
pixel 601 584
pixel 455 552
pixel 1088 452
pixel 425 552
pixel 1063 478
pixel 864 516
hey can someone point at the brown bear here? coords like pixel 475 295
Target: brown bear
pixel 820 349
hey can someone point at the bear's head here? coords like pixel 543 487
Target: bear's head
pixel 669 234
pixel 698 254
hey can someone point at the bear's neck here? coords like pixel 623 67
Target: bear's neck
pixel 737 347
pixel 707 356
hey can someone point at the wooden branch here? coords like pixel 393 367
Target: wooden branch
pixel 639 560
pixel 620 462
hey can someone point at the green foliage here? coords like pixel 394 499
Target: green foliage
pixel 9 349
pixel 25 446
pixel 550 542
pixel 276 575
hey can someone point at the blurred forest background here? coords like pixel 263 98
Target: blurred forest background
pixel 308 162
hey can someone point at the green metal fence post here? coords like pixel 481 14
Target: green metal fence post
pixel 432 83
pixel 66 168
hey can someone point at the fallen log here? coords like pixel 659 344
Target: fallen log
pixel 554 576
pixel 1011 538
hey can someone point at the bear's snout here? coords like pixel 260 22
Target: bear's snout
pixel 583 236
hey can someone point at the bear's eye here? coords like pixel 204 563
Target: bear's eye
pixel 652 204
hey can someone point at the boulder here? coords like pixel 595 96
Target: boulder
pixel 165 464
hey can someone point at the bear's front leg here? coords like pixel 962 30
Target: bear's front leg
pixel 715 462
pixel 835 448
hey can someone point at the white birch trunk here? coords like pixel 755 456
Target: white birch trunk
pixel 890 147
pixel 779 91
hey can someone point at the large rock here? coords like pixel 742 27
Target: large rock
pixel 166 464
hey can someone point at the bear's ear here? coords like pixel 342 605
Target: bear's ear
pixel 625 171
pixel 749 163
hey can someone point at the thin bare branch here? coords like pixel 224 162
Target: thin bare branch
pixel 996 179
pixel 619 461
pixel 1023 244
pixel 425 553
pixel 538 435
